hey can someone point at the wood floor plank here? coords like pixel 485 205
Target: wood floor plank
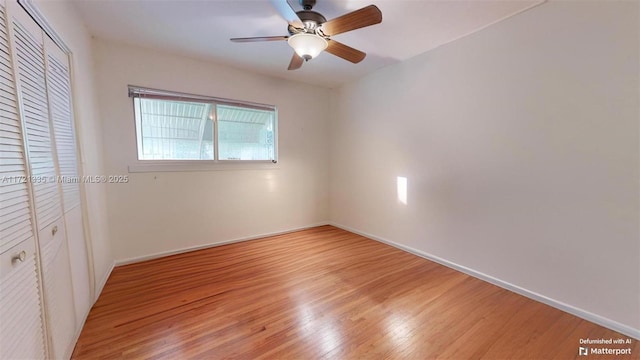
pixel 321 293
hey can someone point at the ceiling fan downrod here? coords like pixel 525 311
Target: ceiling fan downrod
pixel 307 4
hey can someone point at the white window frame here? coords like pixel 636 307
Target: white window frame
pixel 198 165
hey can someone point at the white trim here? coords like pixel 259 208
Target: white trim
pixel 581 313
pixel 137 259
pixel 102 283
pixel 200 165
pixel 37 16
pixel 76 337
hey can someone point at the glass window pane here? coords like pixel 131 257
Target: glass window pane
pixel 245 133
pixel 174 130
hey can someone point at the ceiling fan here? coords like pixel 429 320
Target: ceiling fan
pixel 310 32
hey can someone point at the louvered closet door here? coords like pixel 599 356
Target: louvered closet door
pixel 60 109
pixel 30 63
pixel 29 49
pixel 21 325
pixel 21 334
pixel 58 290
pixel 59 91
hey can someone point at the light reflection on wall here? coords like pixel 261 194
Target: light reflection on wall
pixel 402 189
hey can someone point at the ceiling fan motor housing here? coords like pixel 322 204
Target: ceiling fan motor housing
pixel 311 20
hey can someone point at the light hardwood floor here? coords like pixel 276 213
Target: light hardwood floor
pixel 321 293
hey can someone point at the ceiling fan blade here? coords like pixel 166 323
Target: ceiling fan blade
pixel 296 62
pixel 366 16
pixel 286 11
pixel 346 52
pixel 260 38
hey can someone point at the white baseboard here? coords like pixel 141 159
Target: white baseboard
pixel 206 246
pixel 76 336
pixel 102 282
pixel 589 316
pixel 98 291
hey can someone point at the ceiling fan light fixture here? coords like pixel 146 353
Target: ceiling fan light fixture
pixel 307 46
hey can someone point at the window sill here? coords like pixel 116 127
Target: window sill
pixel 187 166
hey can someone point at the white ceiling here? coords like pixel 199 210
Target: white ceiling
pixel 201 29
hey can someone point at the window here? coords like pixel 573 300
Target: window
pixel 174 127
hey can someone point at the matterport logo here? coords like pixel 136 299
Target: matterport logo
pixel 604 350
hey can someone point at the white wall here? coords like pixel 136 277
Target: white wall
pixel 63 17
pixel 520 145
pixel 168 211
